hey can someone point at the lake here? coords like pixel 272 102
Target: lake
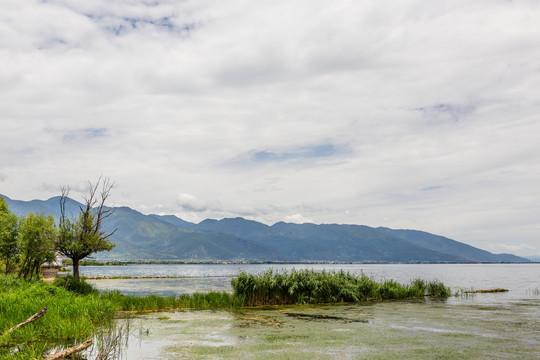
pixel 478 326
pixel 518 278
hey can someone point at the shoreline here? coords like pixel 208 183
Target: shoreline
pixel 215 262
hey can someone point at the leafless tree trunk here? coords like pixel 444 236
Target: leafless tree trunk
pixel 87 230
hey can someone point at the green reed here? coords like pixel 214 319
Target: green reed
pixel 312 287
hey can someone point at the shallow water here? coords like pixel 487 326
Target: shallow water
pixel 520 279
pixel 387 330
pixel 477 326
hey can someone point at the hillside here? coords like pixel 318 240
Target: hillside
pixel 154 237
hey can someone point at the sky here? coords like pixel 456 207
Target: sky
pixel 406 114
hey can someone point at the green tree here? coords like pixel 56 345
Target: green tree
pixel 36 243
pixel 9 232
pixel 84 235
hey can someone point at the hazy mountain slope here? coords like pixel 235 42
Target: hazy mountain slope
pixel 174 220
pixel 449 246
pixel 162 240
pixel 328 242
pixel 35 206
pixel 290 248
pixel 360 243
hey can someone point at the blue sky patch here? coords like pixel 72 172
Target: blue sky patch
pixel 312 152
pixel 122 25
pixel 431 188
pixel 454 111
pixel 85 134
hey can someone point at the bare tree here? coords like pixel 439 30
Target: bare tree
pixel 84 235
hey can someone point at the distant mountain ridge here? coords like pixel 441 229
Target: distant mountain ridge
pixel 167 237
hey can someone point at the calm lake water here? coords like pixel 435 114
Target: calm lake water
pixel 480 326
pixel 522 280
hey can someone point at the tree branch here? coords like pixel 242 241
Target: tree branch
pixel 28 321
pixel 61 355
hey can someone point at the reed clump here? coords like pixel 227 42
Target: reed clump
pixel 312 287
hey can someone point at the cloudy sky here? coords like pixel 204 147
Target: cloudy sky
pixel 406 114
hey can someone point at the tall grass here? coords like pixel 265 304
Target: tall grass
pixel 312 287
pixel 211 300
pixel 69 317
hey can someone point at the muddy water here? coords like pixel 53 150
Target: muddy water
pixel 386 330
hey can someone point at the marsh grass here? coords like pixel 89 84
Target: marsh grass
pixel 201 301
pixel 76 311
pixel 312 287
pixel 69 317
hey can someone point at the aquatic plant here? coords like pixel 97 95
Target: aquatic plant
pixel 312 287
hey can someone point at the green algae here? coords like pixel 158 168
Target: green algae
pixel 387 330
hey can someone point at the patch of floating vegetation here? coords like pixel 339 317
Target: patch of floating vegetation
pixel 322 317
pixel 486 291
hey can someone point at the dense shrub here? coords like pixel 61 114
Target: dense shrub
pixel 70 283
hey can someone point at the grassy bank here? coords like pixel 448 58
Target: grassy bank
pixel 76 314
pixel 69 317
pixel 312 287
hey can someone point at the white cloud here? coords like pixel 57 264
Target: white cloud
pixel 405 113
pixel 192 203
pixel 297 219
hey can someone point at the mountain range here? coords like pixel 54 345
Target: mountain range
pixel 167 237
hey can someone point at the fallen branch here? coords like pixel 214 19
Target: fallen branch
pixel 61 355
pixel 28 321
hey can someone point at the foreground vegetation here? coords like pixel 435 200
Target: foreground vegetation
pixel 70 317
pixel 75 310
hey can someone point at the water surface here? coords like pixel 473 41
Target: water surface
pixel 520 279
pixel 479 326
